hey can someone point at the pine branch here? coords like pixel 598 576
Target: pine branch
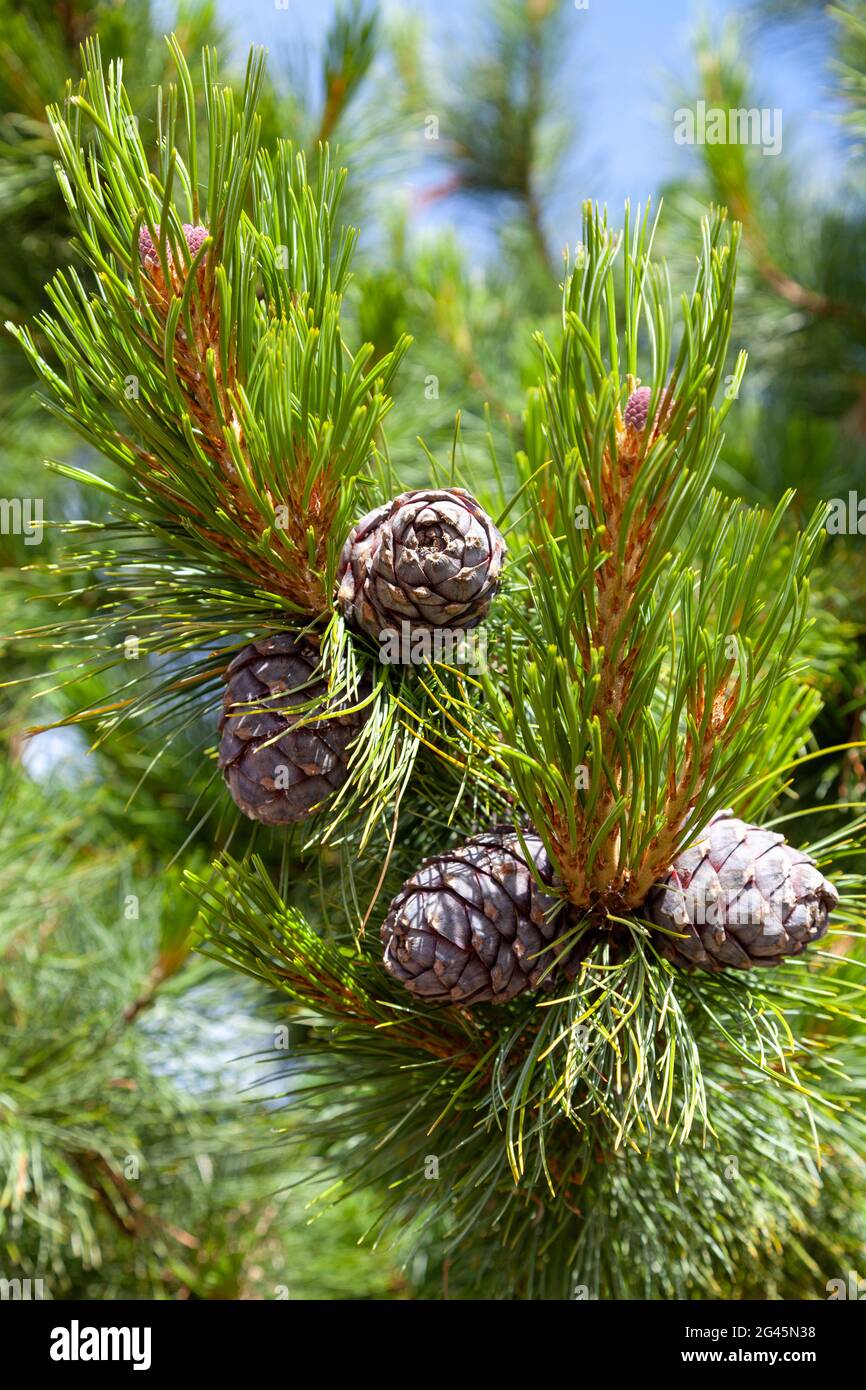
pixel 350 50
pixel 645 669
pixel 635 597
pixel 248 422
pixel 628 1089
pixel 725 85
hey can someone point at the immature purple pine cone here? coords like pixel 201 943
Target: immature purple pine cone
pixel 149 250
pixel 432 559
pixel 740 897
pixel 472 926
pixel 194 236
pixel 276 773
pixel 637 408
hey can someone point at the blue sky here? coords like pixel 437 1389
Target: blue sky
pixel 626 57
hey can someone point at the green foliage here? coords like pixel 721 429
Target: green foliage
pixel 497 116
pixel 851 62
pixel 102 1040
pixel 800 422
pixel 259 390
pixel 632 1130
pixel 38 50
pixel 247 422
pixel 128 1165
pixel 593 1134
pixel 801 313
pixel 642 642
pixel 658 656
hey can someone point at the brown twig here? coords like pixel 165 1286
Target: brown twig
pixel 309 506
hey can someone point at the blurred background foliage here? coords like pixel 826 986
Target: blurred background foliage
pixel 137 1156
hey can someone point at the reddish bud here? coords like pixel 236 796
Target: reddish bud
pixel 637 408
pixel 149 251
pixel 194 237
pixel 146 248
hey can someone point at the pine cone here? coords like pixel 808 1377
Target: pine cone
pixel 149 251
pixel 637 408
pixel 741 897
pixel 276 773
pixel 470 926
pixel 431 559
